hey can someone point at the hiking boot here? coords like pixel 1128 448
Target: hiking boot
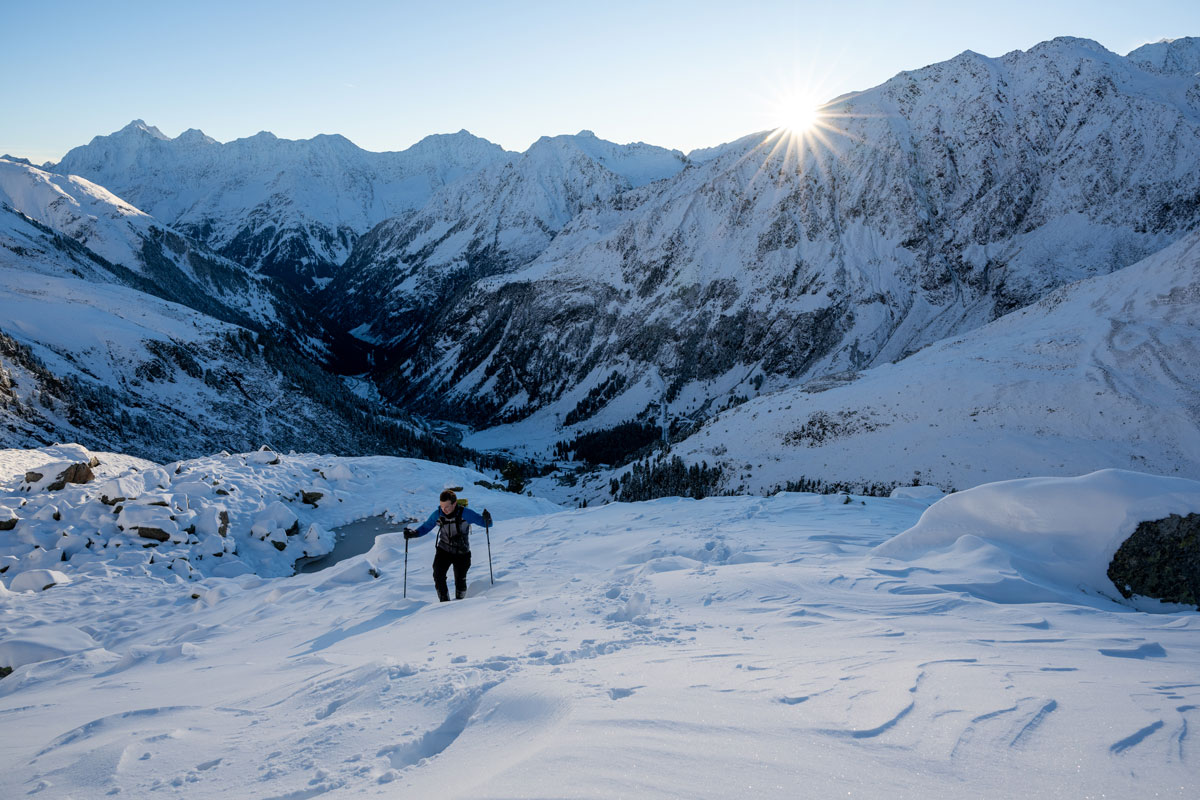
pixel 459 594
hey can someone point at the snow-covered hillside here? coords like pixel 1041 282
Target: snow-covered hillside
pixel 1103 373
pixel 403 272
pixel 921 209
pixel 43 214
pixel 169 350
pixel 784 646
pixel 292 209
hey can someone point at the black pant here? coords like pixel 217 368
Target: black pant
pixel 442 559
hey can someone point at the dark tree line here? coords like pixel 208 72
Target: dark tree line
pixel 667 477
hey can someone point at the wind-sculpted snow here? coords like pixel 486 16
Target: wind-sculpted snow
pixel 924 208
pixel 293 209
pixel 663 649
pixel 1056 533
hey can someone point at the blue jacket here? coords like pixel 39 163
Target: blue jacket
pixel 453 532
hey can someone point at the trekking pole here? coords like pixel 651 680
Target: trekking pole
pixel 405 566
pixel 488 533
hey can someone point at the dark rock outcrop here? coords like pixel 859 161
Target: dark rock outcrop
pixel 76 473
pixel 1161 560
pixel 157 534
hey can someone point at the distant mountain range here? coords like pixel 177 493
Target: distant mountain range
pixel 550 296
pixel 290 209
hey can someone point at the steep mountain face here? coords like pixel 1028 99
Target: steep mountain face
pixel 1102 373
pixel 405 270
pixel 120 333
pixel 291 209
pixel 921 209
pixel 124 245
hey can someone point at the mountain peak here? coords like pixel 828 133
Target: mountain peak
pixel 1061 43
pixel 195 136
pixel 140 126
pixel 1173 56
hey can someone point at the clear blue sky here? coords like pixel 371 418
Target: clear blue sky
pixel 385 74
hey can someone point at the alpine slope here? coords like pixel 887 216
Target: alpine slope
pixel 914 646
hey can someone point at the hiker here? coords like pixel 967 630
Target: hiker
pixel 453 521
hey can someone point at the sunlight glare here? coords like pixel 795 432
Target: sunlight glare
pixel 800 116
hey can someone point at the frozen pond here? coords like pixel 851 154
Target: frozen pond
pixel 353 539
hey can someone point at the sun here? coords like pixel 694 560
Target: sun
pixel 797 113
pixel 801 118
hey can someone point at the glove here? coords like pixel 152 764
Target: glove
pixel 487 518
pixel 409 533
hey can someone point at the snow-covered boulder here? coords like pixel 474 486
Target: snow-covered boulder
pixel 56 475
pixel 925 493
pixel 1034 534
pixel 263 457
pixel 150 522
pixel 42 643
pixel 37 580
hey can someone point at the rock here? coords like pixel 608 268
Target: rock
pixel 76 473
pixel 311 498
pixel 280 546
pixel 157 534
pixel 9 523
pixel 1161 559
pixel 5 672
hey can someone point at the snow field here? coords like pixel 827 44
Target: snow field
pixel 725 647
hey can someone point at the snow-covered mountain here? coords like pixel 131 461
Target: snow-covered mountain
pixel 1102 373
pixel 120 244
pixel 119 332
pixel 921 209
pixel 292 209
pixel 502 217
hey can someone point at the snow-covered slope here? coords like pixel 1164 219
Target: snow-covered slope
pixel 292 209
pixel 404 270
pixel 922 208
pixel 43 215
pixel 777 647
pixel 1103 373
pixel 170 351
